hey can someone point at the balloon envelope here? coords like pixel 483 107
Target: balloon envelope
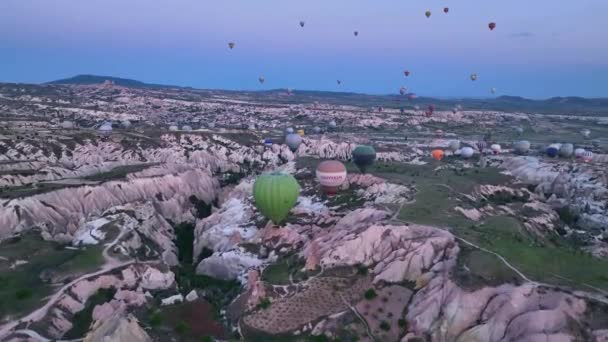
pixel 317 129
pixel 275 194
pixel 300 132
pixel 578 153
pixel 454 145
pixel 446 10
pixel 492 26
pixel 521 147
pixel 331 174
pixel 427 13
pixel 437 154
pixel 467 152
pixel 566 150
pixel 332 124
pixel 552 150
pixel 364 156
pixel 495 148
pixel 289 130
pixel 293 141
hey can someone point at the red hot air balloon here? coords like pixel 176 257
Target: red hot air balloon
pixel 492 26
pixel 446 10
pixel 406 73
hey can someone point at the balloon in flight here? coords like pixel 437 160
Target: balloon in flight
pixel 231 45
pixel 427 14
pixel 261 79
pixel 275 194
pixel 331 174
pixel 356 33
pixel 364 156
pixel 491 26
pixel 293 141
pixel 473 77
pixel 302 24
pixel 446 10
pixel 406 73
pixel 466 152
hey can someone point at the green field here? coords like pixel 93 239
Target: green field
pixel 23 288
pixel 550 260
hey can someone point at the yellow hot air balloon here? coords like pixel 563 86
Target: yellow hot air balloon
pixel 300 132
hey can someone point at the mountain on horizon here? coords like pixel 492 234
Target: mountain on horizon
pixel 96 79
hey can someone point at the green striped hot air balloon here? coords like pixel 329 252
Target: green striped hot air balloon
pixel 275 194
pixel 364 156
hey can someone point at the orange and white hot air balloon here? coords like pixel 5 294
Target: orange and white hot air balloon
pixel 437 154
pixel 331 174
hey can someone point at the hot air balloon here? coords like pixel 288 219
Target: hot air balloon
pixel 364 156
pixel 275 194
pixel 356 33
pixel 454 110
pixel 211 124
pixel 186 128
pixel 380 109
pixel 428 14
pixel 521 147
pixel 481 145
pixel 402 90
pixel 466 152
pixel 586 133
pixel 492 26
pixel 411 96
pixel 406 73
pixel 332 124
pixel 454 145
pixel 173 128
pixel 578 153
pixel 289 130
pixel 105 129
pixel 331 174
pixel 293 141
pixel 566 150
pixel 473 77
pixel 302 24
pixel 493 90
pixel 300 132
pixel 430 110
pixel 261 79
pixel 339 82
pixel 553 150
pixel 519 130
pixel 126 124
pixel 587 156
pixel 316 129
pixel 446 10
pixel 268 142
pixel 231 45
pixel 495 148
pixel 437 154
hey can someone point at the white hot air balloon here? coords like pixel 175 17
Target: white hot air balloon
pixel 495 148
pixel 467 152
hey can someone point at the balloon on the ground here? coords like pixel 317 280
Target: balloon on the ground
pixel 331 174
pixel 495 148
pixel 481 145
pixel 105 129
pixel 553 150
pixel 300 132
pixel 454 145
pixel 67 124
pixel 578 153
pixel 587 156
pixel 586 133
pixel 566 150
pixel 437 154
pixel 521 147
pixel 364 156
pixel 289 130
pixel 275 194
pixel 332 124
pixel 268 142
pixel 467 152
pixel 293 141
pixel 316 129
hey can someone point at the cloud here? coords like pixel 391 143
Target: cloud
pixel 525 34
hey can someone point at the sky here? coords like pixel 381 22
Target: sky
pixel 539 49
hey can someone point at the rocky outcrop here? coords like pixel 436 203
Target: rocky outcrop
pixel 118 328
pixel 61 211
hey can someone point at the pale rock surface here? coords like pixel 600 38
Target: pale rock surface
pixel 118 328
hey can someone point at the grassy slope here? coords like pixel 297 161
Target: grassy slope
pixel 22 288
pixel 557 264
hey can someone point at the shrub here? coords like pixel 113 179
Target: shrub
pixel 370 294
pixel 264 303
pixel 385 326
